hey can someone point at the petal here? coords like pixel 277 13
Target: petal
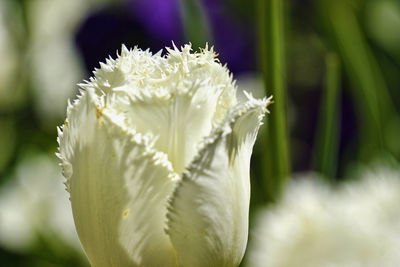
pixel 180 122
pixel 118 186
pixel 208 213
pixel 177 98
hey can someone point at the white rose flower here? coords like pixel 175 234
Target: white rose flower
pixel 156 153
pixel 355 225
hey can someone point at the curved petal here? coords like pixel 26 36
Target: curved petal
pixel 118 187
pixel 177 98
pixel 208 212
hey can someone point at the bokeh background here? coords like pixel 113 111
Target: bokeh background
pixel 342 78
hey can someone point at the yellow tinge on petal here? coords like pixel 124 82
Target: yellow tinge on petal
pixel 156 153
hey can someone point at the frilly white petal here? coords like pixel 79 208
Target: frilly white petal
pixel 178 97
pixel 119 185
pixel 208 213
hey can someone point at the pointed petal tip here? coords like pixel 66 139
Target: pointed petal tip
pixel 124 51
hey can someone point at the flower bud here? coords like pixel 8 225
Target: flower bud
pixel 156 152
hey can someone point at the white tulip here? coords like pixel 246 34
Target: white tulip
pixel 33 205
pixel 354 225
pixel 156 153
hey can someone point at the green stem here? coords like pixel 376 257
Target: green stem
pixel 327 146
pixel 371 96
pixel 195 23
pixel 271 33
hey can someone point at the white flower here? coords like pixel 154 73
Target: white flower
pixel 53 25
pixel 357 224
pixel 156 153
pixel 35 204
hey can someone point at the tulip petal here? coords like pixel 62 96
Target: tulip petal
pixel 119 186
pixel 208 212
pixel 177 98
pixel 180 122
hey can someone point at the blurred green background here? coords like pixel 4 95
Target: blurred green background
pixel 332 65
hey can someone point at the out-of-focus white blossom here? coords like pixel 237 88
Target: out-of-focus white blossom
pixel 33 203
pixel 55 64
pixel 355 225
pixel 156 152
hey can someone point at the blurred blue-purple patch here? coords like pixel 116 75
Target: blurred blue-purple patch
pixel 234 39
pixel 159 17
pixel 155 24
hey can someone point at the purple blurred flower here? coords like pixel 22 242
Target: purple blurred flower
pixel 233 39
pixel 155 23
pixel 159 17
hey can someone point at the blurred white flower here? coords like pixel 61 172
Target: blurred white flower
pixel 357 224
pixel 156 151
pixel 53 24
pixel 34 202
